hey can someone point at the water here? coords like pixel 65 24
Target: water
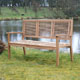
pixel 16 26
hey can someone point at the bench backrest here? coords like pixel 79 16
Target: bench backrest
pixel 47 28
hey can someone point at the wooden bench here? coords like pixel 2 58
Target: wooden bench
pixel 59 29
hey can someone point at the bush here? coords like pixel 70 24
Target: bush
pixel 2 46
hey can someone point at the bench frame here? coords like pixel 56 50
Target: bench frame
pixel 58 37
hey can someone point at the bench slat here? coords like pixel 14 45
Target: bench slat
pixel 39 43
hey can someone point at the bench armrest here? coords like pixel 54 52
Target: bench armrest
pixel 9 33
pixel 64 36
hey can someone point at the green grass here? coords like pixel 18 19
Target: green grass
pixel 38 65
pixel 8 13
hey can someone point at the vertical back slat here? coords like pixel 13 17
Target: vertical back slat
pixel 71 32
pixel 69 27
pixel 37 28
pixel 23 29
pixel 52 29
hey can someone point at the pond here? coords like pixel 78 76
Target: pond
pixel 16 26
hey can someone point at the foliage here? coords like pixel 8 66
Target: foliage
pixel 68 6
pixel 38 65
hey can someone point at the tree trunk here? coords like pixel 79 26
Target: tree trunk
pixel 0 7
pixel 25 6
pixel 0 10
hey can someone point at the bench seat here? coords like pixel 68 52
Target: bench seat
pixel 39 44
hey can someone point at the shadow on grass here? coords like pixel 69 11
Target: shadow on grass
pixel 39 58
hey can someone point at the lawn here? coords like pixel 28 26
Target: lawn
pixel 8 13
pixel 38 65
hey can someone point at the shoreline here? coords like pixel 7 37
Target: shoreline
pixel 8 19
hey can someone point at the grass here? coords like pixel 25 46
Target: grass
pixel 9 13
pixel 38 65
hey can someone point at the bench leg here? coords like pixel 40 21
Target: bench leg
pixel 9 53
pixel 71 53
pixel 24 50
pixel 57 51
pixel 57 57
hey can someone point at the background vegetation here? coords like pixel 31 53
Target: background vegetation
pixel 40 8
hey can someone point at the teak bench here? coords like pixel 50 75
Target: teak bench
pixel 59 29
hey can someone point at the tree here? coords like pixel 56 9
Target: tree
pixel 52 3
